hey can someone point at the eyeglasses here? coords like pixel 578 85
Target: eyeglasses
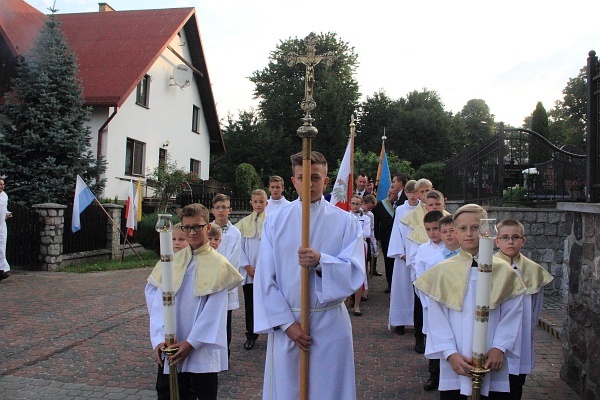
pixel 356 204
pixel 514 238
pixel 196 228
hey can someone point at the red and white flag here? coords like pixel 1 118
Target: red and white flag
pixel 343 187
pixel 131 210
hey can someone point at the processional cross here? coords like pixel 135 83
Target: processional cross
pixel 307 131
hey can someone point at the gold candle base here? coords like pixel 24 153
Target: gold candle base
pixel 477 375
pixel 173 382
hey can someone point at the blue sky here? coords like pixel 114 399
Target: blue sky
pixel 512 53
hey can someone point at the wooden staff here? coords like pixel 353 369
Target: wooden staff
pixel 307 132
pixel 120 231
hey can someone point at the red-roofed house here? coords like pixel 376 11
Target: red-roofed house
pixel 144 75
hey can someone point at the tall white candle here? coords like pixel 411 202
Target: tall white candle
pixel 487 232
pixel 164 226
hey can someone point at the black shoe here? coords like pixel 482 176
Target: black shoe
pixel 388 290
pixel 364 299
pixel 431 384
pixel 249 344
pixel 400 330
pixel 420 347
pixel 376 273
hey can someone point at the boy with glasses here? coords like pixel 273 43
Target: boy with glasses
pixel 510 241
pixel 202 278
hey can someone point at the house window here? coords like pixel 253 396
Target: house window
pixel 195 167
pixel 135 157
pixel 196 119
pixel 142 96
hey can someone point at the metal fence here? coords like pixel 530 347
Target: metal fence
pixel 593 127
pixel 23 240
pixel 91 236
pixel 238 203
pixel 516 166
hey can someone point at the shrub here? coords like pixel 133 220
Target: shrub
pixel 146 234
pixel 434 172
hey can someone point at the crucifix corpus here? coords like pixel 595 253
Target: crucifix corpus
pixel 307 131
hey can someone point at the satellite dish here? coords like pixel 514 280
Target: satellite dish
pixel 182 76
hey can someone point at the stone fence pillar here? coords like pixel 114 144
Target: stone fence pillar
pixel 113 234
pixel 581 349
pixel 51 235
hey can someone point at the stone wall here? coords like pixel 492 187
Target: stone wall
pixel 581 348
pixel 51 255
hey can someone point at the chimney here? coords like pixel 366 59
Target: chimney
pixel 104 7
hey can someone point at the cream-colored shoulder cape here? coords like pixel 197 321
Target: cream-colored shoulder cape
pixel 247 225
pixel 447 282
pixel 213 272
pixel 534 276
pixel 419 234
pixel 415 217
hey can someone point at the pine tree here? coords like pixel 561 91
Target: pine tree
pixel 45 137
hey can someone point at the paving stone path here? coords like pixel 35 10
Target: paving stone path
pixel 85 336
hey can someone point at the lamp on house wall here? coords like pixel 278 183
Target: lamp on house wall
pixel 166 143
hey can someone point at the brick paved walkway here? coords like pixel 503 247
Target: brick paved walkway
pixel 77 336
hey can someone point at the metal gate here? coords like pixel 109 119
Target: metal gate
pixel 23 241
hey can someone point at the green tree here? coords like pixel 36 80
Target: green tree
pixel 422 128
pixel 478 122
pixel 246 179
pixel 539 151
pixel 168 180
pixel 568 118
pixel 377 113
pixel 280 89
pixel 46 140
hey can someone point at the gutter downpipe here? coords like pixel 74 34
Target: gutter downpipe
pixel 102 128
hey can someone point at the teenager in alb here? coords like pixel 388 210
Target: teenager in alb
pixel 336 265
pixel 276 199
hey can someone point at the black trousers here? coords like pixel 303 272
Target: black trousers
pixel 418 319
pixel 229 312
pixel 389 262
pixel 455 395
pixel 191 386
pixel 516 386
pixel 249 305
pixel 434 368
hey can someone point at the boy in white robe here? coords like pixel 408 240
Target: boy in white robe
pixel 276 200
pixel 510 241
pixel 251 229
pixel 336 265
pixel 450 247
pixel 202 279
pixel 401 294
pixel 229 247
pixel 450 287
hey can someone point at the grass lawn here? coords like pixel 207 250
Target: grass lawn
pixel 149 259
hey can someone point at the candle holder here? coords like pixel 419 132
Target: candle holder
pixel 164 226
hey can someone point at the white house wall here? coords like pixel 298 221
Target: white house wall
pixel 168 118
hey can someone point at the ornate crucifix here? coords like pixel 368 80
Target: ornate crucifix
pixel 310 60
pixel 307 131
